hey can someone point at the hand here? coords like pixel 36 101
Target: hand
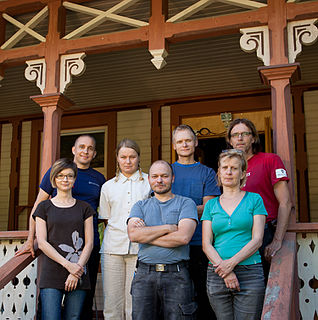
pixel 272 249
pixel 26 248
pixel 75 269
pixel 138 223
pixel 231 281
pixel 224 268
pixel 71 283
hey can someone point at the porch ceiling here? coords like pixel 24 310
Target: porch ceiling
pixel 195 68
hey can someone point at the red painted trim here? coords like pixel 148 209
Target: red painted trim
pixel 13 235
pixel 306 227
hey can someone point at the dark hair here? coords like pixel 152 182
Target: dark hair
pixel 60 165
pixel 233 153
pixel 256 145
pixel 86 135
pixel 183 127
pixel 163 162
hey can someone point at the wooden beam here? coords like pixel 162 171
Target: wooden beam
pixel 303 227
pixel 18 7
pixel 301 11
pixel 219 25
pixel 9 235
pixel 106 42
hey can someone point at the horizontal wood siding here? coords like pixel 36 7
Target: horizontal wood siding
pixel 136 125
pixel 5 168
pixel 165 134
pixel 24 172
pixel 311 118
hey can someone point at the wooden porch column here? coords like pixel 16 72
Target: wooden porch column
pixel 279 78
pixel 52 106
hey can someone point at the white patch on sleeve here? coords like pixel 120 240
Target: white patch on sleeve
pixel 280 173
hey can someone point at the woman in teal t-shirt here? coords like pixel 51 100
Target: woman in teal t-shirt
pixel 232 232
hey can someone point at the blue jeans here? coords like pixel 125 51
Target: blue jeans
pixel 229 304
pixel 51 301
pixel 162 295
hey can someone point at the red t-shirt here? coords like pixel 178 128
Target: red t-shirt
pixel 263 171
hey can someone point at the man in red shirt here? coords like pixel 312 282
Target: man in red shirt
pixel 267 176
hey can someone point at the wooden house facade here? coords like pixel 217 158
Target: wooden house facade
pixel 138 68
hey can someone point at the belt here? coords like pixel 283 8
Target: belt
pixel 271 224
pixel 162 267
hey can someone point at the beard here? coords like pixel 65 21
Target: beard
pixel 164 190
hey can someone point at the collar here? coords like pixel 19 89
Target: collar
pixel 134 177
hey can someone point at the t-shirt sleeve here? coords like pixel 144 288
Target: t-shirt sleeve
pixel 89 212
pixel 137 211
pixel 189 210
pixel 40 211
pixel 45 184
pixel 259 208
pixel 278 171
pixel 104 206
pixel 206 215
pixel 210 187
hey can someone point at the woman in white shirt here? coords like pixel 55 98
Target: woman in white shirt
pixel 118 254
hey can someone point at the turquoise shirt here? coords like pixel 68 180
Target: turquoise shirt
pixel 232 233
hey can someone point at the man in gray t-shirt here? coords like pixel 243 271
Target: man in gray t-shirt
pixel 163 225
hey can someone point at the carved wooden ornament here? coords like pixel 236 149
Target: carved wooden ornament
pixel 299 33
pixel 36 71
pixel 256 38
pixel 159 56
pixel 71 65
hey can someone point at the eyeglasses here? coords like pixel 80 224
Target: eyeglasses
pixel 242 134
pixel 62 176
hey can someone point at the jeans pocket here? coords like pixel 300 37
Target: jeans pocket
pixel 188 311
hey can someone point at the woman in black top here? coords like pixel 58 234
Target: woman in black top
pixel 64 229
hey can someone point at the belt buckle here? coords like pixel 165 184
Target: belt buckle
pixel 160 267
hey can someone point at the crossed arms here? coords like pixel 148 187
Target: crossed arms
pixel 167 235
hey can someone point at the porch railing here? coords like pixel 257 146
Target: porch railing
pixel 17 278
pixel 291 288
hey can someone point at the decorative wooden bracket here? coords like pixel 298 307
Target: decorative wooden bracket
pixel 25 29
pixel 71 65
pixel 299 33
pixel 256 38
pixel 36 71
pixel 101 16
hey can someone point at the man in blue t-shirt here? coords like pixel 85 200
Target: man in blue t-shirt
pixel 198 182
pixel 163 225
pixel 87 188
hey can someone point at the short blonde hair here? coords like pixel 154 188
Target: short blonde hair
pixel 229 154
pixel 60 165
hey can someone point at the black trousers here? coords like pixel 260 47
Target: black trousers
pixel 93 265
pixel 198 266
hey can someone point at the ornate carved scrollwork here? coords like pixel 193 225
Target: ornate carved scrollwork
pixel 71 65
pixel 256 39
pixel 299 33
pixel 36 71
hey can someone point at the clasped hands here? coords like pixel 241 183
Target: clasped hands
pixel 225 270
pixel 76 271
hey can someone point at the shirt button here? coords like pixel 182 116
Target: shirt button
pixel 128 192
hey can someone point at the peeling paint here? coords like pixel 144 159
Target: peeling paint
pixel 272 295
pixel 267 315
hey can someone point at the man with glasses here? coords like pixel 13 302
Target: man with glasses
pixel 267 176
pixel 87 188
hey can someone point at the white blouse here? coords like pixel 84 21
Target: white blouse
pixel 116 201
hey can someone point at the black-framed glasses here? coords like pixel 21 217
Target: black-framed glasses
pixel 242 134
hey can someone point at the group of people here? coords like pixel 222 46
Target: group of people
pixel 174 246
